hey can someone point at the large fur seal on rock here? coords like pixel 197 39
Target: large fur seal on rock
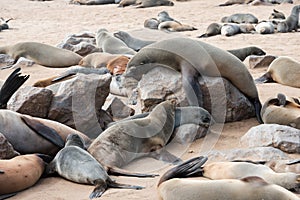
pixel 42 54
pixel 291 23
pixel 193 59
pixel 247 188
pixel 125 141
pixel 243 53
pixel 74 163
pixel 20 172
pixel 283 70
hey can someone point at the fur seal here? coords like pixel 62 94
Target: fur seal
pixel 134 43
pixel 13 82
pixel 265 27
pixel 24 133
pixel 91 2
pixel 96 60
pixel 172 26
pixel 164 16
pixel 74 163
pixel 117 66
pixel 230 29
pixel 240 18
pixel 125 141
pixel 247 188
pixel 283 70
pixel 111 44
pixel 153 3
pixel 212 29
pixel 281 110
pixel 232 2
pixel 124 3
pixel 193 59
pixel 291 23
pixel 277 15
pixel 151 23
pixel 42 54
pixel 247 28
pixel 20 172
pixel 284 165
pixel 242 53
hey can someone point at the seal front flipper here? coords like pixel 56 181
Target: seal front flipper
pixel 48 133
pixel 10 86
pixel 121 172
pixel 266 78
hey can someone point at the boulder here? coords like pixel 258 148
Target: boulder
pixel 118 110
pixel 6 149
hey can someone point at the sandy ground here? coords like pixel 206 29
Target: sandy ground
pixel 50 22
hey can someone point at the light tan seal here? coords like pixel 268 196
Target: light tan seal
pixel 283 70
pixel 97 60
pixel 117 66
pixel 20 172
pixel 74 163
pixel 125 141
pixel 174 26
pixel 42 54
pixel 281 110
pixel 247 188
pixel 193 59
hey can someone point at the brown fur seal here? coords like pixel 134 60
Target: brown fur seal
pixel 240 18
pixel 274 112
pixel 283 70
pixel 10 86
pixel 277 15
pixel 212 29
pixel 193 59
pixel 230 29
pixel 117 65
pixel 164 16
pixel 232 2
pixel 42 54
pixel 265 27
pixel 291 23
pixel 284 165
pixel 172 26
pixel 151 23
pixel 242 53
pixel 111 44
pixel 91 2
pixel 247 188
pixel 153 3
pixel 125 141
pixel 74 163
pixel 124 3
pixel 134 43
pixel 97 60
pixel 20 172
pixel 24 133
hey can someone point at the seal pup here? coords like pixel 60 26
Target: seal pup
pixel 277 15
pixel 151 23
pixel 13 82
pixel 283 70
pixel 173 26
pixel 153 3
pixel 164 16
pixel 247 28
pixel 230 29
pixel 248 188
pixel 291 23
pixel 232 2
pixel 111 44
pixel 20 172
pixel 194 59
pixel 132 42
pixel 240 18
pixel 74 163
pixel 281 110
pixel 97 60
pixel 265 27
pixel 212 29
pixel 243 53
pixel 42 54
pixel 125 141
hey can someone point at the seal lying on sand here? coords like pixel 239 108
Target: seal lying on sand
pixel 247 188
pixel 193 59
pixel 125 141
pixel 243 53
pixel 212 29
pixel 42 54
pixel 240 18
pixel 173 26
pixel 281 110
pixel 74 163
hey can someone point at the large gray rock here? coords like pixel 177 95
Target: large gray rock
pixel 6 149
pixel 118 110
pixel 224 101
pixel 283 137
pixel 254 154
pixel 32 101
pixel 187 133
pixel 77 102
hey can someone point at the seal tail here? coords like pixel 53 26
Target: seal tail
pixel 189 168
pixel 121 172
pixel 45 131
pixel 10 86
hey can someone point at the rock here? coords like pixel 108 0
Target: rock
pixel 31 101
pixel 254 154
pixel 220 97
pixel 254 61
pixel 77 102
pixel 6 149
pixel 187 133
pixel 118 110
pixel 283 137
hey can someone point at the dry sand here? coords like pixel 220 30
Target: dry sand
pixel 50 22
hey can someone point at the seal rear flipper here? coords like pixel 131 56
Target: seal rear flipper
pixel 48 133
pixel 292 162
pixel 113 184
pixel 11 85
pixel 257 107
pixel 266 78
pixel 100 188
pixel 6 196
pixel 164 155
pixel 121 172
pixel 189 168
